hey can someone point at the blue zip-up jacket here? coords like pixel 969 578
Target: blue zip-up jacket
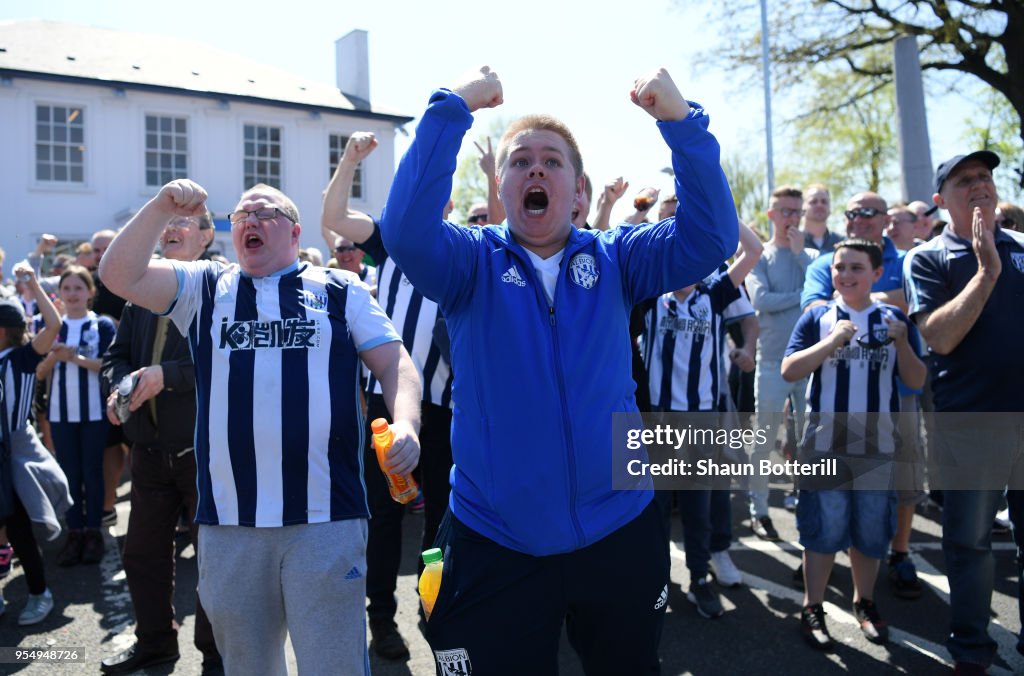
pixel 536 384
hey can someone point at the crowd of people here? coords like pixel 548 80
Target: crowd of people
pixel 241 394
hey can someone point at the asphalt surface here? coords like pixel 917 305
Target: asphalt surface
pixel 759 633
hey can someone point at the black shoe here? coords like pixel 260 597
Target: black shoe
pixel 872 625
pixel 763 528
pixel 92 547
pixel 135 659
pixel 213 667
pixel 706 600
pixel 812 626
pixel 903 577
pixel 386 641
pixel 71 554
pixel 109 517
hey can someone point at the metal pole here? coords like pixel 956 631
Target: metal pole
pixel 915 148
pixel 769 168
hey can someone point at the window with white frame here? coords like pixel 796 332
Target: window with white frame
pixel 60 144
pixel 262 155
pixel 337 149
pixel 166 149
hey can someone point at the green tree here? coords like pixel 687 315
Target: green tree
pixel 968 37
pixel 749 192
pixel 470 184
pixel 846 139
pixel 994 130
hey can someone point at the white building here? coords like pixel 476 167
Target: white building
pixel 94 121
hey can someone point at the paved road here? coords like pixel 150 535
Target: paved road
pixel 758 634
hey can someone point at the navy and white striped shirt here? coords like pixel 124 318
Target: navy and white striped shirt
pixel 279 428
pixel 75 394
pixel 682 346
pixel 414 316
pixel 737 310
pixel 18 366
pixel 854 379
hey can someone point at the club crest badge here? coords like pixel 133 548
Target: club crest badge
pixel 453 662
pixel 314 301
pixel 583 270
pixel 1018 261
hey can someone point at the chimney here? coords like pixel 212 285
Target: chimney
pixel 352 64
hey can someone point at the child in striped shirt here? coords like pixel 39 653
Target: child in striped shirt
pixel 853 348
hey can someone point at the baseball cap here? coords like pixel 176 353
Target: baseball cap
pixel 11 313
pixel 989 158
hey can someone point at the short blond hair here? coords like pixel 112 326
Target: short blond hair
pixel 537 123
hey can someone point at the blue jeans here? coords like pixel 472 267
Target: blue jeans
pixel 80 454
pixel 967 517
pixel 967 544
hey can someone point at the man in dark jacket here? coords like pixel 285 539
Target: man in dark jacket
pixel 160 427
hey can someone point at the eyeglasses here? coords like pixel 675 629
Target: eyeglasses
pixel 870 342
pixel 862 212
pixel 263 214
pixel 477 218
pixel 789 213
pixel 344 249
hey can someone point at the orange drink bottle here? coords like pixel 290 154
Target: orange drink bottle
pixel 402 486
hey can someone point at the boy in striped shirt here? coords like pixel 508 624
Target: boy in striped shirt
pixel 853 348
pixel 682 347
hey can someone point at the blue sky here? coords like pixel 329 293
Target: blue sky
pixel 573 59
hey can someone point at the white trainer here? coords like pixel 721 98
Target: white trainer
pixel 725 571
pixel 37 608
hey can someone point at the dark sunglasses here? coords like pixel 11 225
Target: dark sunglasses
pixel 344 249
pixel 870 342
pixel 862 212
pixel 477 218
pixel 1006 222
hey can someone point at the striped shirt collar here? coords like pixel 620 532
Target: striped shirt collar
pixel 280 273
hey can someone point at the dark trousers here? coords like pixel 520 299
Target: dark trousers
pixel 163 486
pixel 23 541
pixel 500 611
pixel 721 520
pixel 695 515
pixel 384 544
pixel 80 454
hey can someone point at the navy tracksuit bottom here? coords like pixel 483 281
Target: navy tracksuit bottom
pixel 500 611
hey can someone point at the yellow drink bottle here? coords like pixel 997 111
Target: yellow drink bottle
pixel 430 579
pixel 402 486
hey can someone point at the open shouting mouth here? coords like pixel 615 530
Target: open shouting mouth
pixel 535 201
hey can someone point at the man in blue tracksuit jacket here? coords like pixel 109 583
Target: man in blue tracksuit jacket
pixel 538 316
